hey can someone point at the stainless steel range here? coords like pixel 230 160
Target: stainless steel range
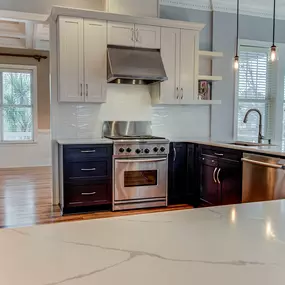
pixel 140 165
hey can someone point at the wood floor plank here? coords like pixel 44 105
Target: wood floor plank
pixel 26 199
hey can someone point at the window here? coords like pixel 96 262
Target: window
pixel 17 103
pixel 254 90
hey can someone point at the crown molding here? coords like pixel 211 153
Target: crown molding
pixel 204 5
pixel 263 9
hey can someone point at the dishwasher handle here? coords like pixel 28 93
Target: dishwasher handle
pixel 277 166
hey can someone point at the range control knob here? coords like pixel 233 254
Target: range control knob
pixel 155 149
pixel 162 149
pixel 146 150
pixel 128 150
pixel 138 151
pixel 121 150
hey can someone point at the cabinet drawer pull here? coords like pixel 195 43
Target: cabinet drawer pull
pixel 137 35
pixel 75 203
pixel 177 93
pixel 182 93
pixel 87 89
pixel 81 92
pixel 219 154
pixel 88 194
pixel 88 169
pixel 214 174
pixel 88 151
pixel 218 176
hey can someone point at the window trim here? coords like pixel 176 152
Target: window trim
pixel 34 100
pixel 278 108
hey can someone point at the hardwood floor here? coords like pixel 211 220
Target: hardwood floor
pixel 26 199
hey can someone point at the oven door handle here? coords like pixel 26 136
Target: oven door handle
pixel 140 160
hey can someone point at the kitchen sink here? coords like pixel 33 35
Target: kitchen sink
pixel 250 144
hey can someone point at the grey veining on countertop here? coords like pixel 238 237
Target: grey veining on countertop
pixel 278 150
pixel 84 141
pixel 238 244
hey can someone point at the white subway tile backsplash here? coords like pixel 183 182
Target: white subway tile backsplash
pixel 131 103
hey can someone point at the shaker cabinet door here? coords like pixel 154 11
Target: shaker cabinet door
pixel 170 53
pixel 147 36
pixel 71 82
pixel 95 60
pixel 121 34
pixel 209 188
pixel 188 66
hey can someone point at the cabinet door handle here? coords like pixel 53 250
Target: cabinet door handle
pixel 133 34
pixel 88 169
pixel 182 95
pixel 88 151
pixel 214 174
pixel 88 194
pixel 137 35
pixel 86 89
pixel 75 203
pixel 177 93
pixel 175 154
pixel 218 176
pixel 219 154
pixel 81 87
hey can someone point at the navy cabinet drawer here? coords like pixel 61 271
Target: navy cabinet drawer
pixel 87 195
pixel 222 152
pixel 86 152
pixel 90 169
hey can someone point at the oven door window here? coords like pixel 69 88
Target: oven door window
pixel 140 178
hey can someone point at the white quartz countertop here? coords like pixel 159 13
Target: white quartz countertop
pixel 84 141
pixel 277 150
pixel 242 244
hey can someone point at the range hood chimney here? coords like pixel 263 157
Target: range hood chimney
pixel 128 65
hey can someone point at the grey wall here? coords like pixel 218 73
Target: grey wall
pixel 176 13
pixel 224 37
pixel 220 35
pixel 44 6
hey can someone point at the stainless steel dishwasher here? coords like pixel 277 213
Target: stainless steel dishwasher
pixel 263 178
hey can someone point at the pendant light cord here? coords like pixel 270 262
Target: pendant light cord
pixel 274 20
pixel 237 40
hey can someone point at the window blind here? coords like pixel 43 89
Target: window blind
pixel 254 90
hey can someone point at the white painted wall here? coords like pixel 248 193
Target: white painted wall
pixel 27 155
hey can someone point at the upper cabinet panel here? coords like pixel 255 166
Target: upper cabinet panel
pixel 188 66
pixel 147 36
pixel 71 59
pixel 95 60
pixel 121 34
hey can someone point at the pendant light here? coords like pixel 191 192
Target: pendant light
pixel 273 52
pixel 236 59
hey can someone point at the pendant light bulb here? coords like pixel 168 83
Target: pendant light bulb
pixel 273 53
pixel 236 62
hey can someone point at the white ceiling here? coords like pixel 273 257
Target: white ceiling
pixel 261 8
pixel 24 34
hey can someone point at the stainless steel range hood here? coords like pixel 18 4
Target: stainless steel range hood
pixel 127 65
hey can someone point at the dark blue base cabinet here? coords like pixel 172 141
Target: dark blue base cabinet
pixel 85 173
pixel 181 174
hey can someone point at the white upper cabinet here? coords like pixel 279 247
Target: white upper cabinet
pixel 121 34
pixel 82 60
pixel 170 43
pixel 179 51
pixel 147 36
pixel 188 66
pixel 71 59
pixel 124 34
pixel 95 61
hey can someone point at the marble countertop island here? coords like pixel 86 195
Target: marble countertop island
pixel 242 244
